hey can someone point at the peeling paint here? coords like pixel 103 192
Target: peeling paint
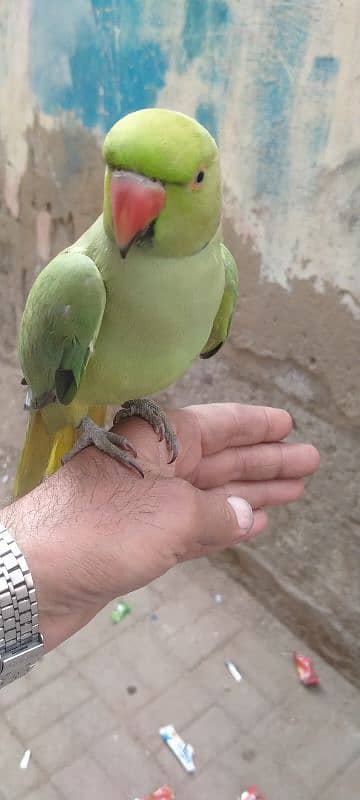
pixel 275 82
pixel 287 25
pixel 107 67
pixel 201 21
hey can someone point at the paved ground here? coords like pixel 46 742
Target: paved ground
pixel 90 738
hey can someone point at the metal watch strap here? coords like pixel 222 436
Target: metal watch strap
pixel 21 644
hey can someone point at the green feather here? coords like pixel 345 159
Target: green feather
pixel 222 322
pixel 159 143
pixel 60 325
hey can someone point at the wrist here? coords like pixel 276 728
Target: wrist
pixel 56 620
pixel 68 530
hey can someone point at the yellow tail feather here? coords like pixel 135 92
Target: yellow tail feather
pixel 34 456
pixel 98 414
pixel 42 452
pixel 66 437
pixel 62 442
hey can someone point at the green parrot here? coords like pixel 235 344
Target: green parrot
pixel 124 311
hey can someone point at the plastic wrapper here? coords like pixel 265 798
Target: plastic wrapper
pixel 183 752
pixel 120 611
pixel 165 793
pixel 252 793
pixel 234 672
pixel 24 763
pixel 305 670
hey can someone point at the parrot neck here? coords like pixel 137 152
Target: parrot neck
pixel 107 212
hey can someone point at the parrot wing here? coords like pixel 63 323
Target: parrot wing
pixel 222 322
pixel 60 326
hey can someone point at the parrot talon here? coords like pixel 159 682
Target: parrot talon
pixel 159 429
pixel 122 442
pixel 161 432
pixel 113 444
pixel 155 416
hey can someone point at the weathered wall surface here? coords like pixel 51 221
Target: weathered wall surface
pixel 278 83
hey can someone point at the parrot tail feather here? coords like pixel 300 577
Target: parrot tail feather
pixel 43 452
pixel 98 415
pixel 34 456
pixel 63 441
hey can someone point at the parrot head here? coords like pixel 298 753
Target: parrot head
pixel 162 183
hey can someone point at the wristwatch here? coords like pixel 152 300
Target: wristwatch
pixel 21 644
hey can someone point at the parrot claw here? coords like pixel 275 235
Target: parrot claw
pixel 156 417
pixel 112 444
pixel 122 442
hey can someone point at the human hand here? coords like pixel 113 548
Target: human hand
pixel 95 530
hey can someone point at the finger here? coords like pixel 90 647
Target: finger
pixel 261 462
pixel 231 424
pixel 259 525
pixel 221 520
pixel 265 493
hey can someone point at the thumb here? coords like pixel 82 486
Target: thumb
pixel 222 520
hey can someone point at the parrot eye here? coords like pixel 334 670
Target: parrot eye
pixel 197 180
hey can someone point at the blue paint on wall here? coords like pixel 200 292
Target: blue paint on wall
pixel 124 81
pixel 279 64
pixel 206 29
pixel 109 69
pixel 323 85
pixel 104 58
pixel 207 116
pixel 202 18
pixel 324 68
pixel 318 136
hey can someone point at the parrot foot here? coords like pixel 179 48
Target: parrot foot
pixel 155 416
pixel 112 444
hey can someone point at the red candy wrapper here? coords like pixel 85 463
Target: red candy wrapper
pixel 306 670
pixel 165 793
pixel 252 793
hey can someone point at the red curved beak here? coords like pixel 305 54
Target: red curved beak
pixel 136 201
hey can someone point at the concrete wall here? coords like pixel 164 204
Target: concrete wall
pixel 278 83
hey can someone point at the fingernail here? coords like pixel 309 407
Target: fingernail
pixel 244 512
